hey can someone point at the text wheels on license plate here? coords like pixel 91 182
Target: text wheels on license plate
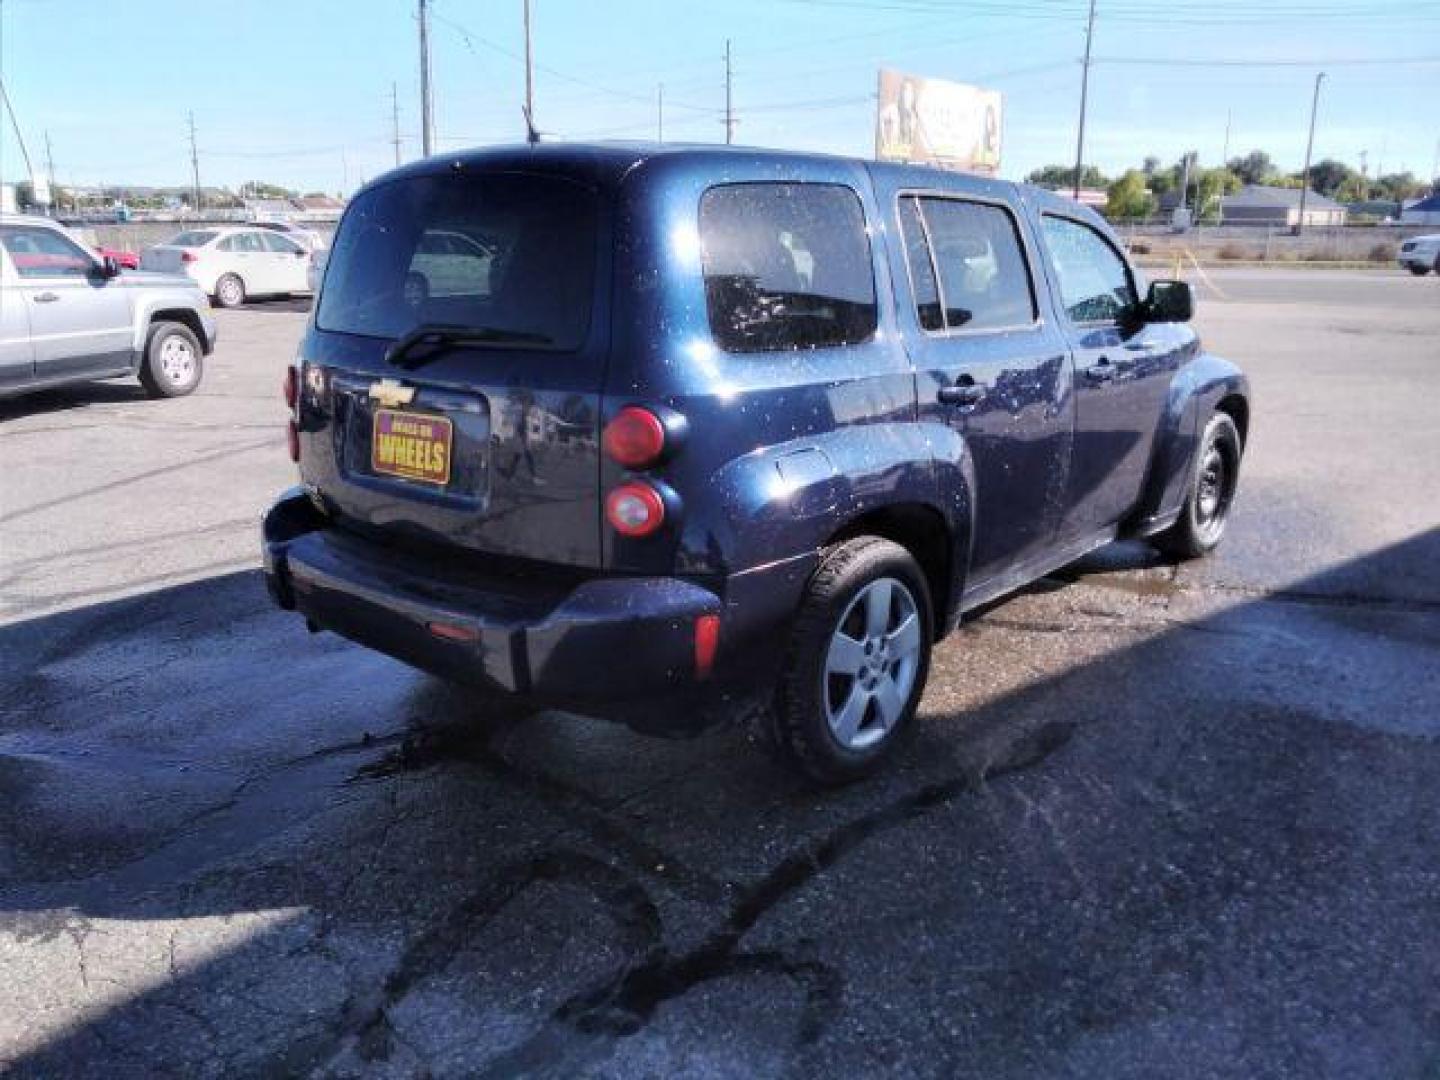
pixel 412 446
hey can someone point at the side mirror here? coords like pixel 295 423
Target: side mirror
pixel 1169 301
pixel 109 266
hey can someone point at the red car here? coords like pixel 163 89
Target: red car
pixel 128 260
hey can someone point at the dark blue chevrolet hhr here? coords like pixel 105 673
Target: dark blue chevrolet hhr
pixel 669 434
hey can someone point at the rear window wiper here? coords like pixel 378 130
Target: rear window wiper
pixel 439 335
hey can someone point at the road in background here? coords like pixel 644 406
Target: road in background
pixel 1155 820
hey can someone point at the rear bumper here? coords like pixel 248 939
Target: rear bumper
pixel 602 642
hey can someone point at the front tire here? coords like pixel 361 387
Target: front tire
pixel 1420 271
pixel 1211 493
pixel 858 658
pixel 229 291
pixel 174 361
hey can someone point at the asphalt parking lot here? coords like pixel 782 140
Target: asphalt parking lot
pixel 1156 821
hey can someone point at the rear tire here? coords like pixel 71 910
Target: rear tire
pixel 174 361
pixel 858 658
pixel 1420 271
pixel 229 291
pixel 1211 493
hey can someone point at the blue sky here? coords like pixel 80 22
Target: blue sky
pixel 298 92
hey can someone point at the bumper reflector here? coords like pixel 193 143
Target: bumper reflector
pixel 707 640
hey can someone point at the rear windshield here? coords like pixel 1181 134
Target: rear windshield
pixel 787 266
pixel 500 251
pixel 194 238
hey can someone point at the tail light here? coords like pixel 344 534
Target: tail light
pixel 635 509
pixel 292 436
pixel 707 640
pixel 635 438
pixel 189 257
pixel 292 387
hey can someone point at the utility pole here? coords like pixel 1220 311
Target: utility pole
pixel 532 134
pixel 195 165
pixel 427 117
pixel 395 121
pixel 1309 145
pixel 660 114
pixel 1225 154
pixel 1084 95
pixel 729 100
pixel 1364 175
pixel 50 171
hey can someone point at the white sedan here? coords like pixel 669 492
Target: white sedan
pixel 233 264
pixel 1421 254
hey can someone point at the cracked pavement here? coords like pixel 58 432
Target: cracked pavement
pixel 1154 820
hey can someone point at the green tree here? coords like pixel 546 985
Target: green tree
pixel 1128 197
pixel 1327 176
pixel 1063 176
pixel 1254 168
pixel 1208 187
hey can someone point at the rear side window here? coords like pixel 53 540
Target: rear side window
pixel 192 239
pixel 787 266
pixel 505 252
pixel 279 244
pixel 1095 283
pixel 973 251
pixel 248 242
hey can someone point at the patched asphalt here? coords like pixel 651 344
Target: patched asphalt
pixel 1156 820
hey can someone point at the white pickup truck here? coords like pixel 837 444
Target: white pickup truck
pixel 68 315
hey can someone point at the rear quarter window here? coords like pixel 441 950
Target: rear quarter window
pixel 786 266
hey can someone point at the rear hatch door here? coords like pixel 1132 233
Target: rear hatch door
pixel 451 393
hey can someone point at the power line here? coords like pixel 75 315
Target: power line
pixel 1388 61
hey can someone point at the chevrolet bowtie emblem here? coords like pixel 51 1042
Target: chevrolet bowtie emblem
pixel 391 394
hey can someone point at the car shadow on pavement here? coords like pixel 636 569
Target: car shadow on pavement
pixel 1199 840
pixel 280 305
pixel 75 396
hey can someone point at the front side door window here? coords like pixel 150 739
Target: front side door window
pixel 1095 283
pixel 38 252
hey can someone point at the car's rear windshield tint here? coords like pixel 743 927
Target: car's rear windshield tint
pixel 193 239
pixel 500 251
pixel 787 266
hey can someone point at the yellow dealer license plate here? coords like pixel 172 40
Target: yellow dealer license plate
pixel 413 446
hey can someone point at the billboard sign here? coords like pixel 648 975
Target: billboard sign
pixel 934 122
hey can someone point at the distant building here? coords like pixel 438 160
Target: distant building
pixel 1256 204
pixel 269 209
pixel 1424 212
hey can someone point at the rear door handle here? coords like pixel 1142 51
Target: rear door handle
pixel 46 297
pixel 962 393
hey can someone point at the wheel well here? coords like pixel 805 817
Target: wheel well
pixel 921 531
pixel 1238 409
pixel 184 316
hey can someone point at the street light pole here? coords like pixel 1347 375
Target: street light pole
pixel 1084 94
pixel 1309 146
